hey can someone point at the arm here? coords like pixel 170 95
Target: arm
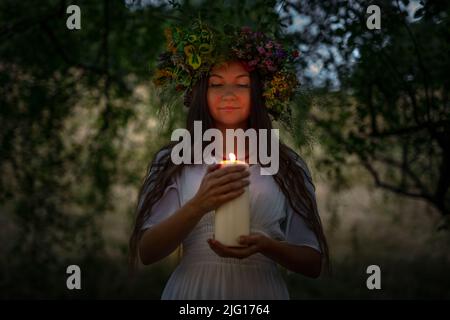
pixel 300 259
pixel 160 240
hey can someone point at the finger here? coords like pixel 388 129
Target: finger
pixel 249 239
pixel 229 169
pixel 232 186
pixel 230 195
pixel 231 177
pixel 238 166
pixel 212 167
pixel 240 253
pixel 216 248
pixel 221 250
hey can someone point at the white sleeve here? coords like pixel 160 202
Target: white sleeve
pixel 165 206
pixel 297 231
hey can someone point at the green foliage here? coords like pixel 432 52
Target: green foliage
pixel 390 109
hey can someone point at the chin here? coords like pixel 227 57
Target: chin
pixel 231 122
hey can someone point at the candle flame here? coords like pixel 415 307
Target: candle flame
pixel 232 156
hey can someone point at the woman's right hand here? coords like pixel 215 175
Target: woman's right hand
pixel 219 185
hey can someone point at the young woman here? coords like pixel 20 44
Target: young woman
pixel 233 79
pixel 177 202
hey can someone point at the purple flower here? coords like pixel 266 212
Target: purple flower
pixel 280 54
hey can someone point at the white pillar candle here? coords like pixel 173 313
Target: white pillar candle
pixel 232 219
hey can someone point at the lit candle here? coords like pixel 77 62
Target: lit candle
pixel 232 219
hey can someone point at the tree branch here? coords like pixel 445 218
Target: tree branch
pixel 421 64
pixel 405 169
pixel 391 187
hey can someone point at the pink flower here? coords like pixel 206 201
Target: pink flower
pixel 261 50
pixel 253 63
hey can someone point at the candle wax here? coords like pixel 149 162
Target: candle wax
pixel 232 219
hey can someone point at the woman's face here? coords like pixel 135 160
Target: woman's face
pixel 229 95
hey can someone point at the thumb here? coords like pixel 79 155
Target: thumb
pixel 212 167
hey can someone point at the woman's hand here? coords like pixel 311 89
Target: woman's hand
pixel 220 185
pixel 256 243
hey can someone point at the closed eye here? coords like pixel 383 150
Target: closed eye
pixel 221 85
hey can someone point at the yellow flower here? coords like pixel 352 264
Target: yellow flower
pixel 204 49
pixel 169 38
pixel 189 49
pixel 192 38
pixel 161 76
pixel 193 59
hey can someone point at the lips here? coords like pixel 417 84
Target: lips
pixel 229 108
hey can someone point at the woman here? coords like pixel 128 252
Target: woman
pixel 177 202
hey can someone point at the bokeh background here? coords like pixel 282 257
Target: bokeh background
pixel 80 121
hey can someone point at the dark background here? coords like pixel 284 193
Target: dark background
pixel 80 120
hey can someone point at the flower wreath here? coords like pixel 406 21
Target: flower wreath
pixel 192 51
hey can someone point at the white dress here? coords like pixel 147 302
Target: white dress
pixel 201 273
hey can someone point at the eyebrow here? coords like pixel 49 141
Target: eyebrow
pixel 239 76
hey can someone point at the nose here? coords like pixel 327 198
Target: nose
pixel 228 94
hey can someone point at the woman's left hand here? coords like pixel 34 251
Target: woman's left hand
pixel 255 243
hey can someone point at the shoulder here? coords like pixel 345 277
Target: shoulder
pixel 162 155
pixel 158 163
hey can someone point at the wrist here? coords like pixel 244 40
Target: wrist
pixel 267 245
pixel 193 208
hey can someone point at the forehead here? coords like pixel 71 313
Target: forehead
pixel 229 69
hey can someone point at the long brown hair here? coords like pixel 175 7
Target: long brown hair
pixel 290 176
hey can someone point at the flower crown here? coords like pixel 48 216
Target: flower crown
pixel 192 51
